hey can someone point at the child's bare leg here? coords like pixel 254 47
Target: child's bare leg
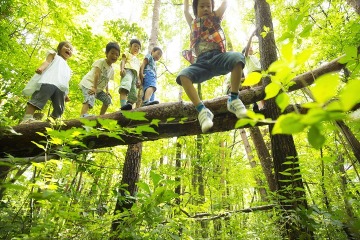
pixel 190 90
pixel 30 109
pixel 104 107
pixel 148 93
pixel 236 78
pixel 205 115
pixel 84 109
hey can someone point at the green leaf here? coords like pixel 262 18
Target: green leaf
pixel 272 90
pixel 306 31
pixel 252 79
pixel 155 178
pixel 350 94
pixel 38 145
pixel 245 121
pixel 282 100
pixel 315 138
pixel 288 124
pixel 144 186
pixel 325 87
pixel 303 56
pixel 287 52
pixel 139 116
pixel 144 128
pixel 314 116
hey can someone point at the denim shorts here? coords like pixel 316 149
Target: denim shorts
pixel 49 92
pixel 90 98
pixel 211 64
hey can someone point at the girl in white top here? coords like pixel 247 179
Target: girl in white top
pixel 51 81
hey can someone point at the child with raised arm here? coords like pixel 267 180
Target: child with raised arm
pixel 207 43
pixel 51 82
pixel 252 65
pixel 129 71
pixel 148 76
pixel 96 80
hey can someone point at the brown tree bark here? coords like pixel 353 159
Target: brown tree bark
pixel 130 177
pixel 252 162
pixel 264 157
pixel 283 147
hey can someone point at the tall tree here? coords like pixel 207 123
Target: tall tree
pixel 133 155
pixel 289 186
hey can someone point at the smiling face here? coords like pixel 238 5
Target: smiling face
pixel 65 50
pixel 112 56
pixel 135 48
pixel 204 8
pixel 156 55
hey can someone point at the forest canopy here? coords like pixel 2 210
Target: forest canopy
pixel 290 169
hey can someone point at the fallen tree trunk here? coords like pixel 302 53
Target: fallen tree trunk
pixel 22 145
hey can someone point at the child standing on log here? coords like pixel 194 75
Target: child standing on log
pixel 208 58
pixel 51 82
pixel 96 80
pixel 148 76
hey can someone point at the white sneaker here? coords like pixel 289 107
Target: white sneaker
pixel 205 118
pixel 237 107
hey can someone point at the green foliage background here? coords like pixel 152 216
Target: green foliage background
pixel 74 198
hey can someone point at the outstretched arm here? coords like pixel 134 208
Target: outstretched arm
pixel 45 64
pixel 187 14
pixel 221 10
pixel 249 44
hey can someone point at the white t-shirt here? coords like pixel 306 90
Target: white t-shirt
pixel 252 64
pixel 106 74
pixel 58 73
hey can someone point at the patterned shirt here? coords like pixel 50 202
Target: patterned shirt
pixel 206 35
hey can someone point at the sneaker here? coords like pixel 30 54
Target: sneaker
pixel 127 106
pixel 87 115
pixel 205 118
pixel 148 103
pixel 29 120
pixel 237 107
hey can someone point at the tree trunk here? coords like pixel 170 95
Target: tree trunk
pixel 287 176
pixel 252 163
pixel 130 177
pixel 355 4
pixel 264 157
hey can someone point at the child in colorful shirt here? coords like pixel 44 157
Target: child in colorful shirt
pixel 97 79
pixel 129 71
pixel 208 58
pixel 148 76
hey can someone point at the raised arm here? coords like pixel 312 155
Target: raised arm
pixel 50 57
pixel 221 10
pixel 187 14
pixel 249 44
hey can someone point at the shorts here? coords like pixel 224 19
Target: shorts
pixel 149 80
pixel 48 91
pixel 90 98
pixel 211 64
pixel 128 82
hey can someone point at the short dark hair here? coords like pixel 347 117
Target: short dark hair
pixel 134 40
pixel 195 6
pixel 156 49
pixel 112 45
pixel 60 46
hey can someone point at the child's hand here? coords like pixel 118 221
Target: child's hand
pixel 39 70
pixel 67 99
pixel 92 91
pixel 122 73
pixel 138 83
